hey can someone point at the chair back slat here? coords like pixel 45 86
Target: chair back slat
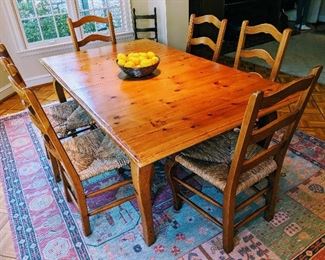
pixel 89 19
pixel 4 52
pixel 7 62
pixel 249 135
pixel 15 75
pixel 214 46
pixel 93 37
pixel 207 19
pixel 265 28
pixel 263 54
pixel 262 156
pixel 271 128
pixel 281 38
pixel 288 90
pixel 203 40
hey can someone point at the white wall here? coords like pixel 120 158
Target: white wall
pixel 177 12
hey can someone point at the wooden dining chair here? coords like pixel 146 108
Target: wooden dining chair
pixel 203 40
pixel 150 29
pixel 94 36
pixel 273 62
pixel 234 162
pixel 10 70
pixel 68 118
pixel 79 159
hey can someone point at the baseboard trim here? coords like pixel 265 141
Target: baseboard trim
pixel 38 80
pixel 6 91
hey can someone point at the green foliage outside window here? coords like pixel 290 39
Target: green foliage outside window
pixel 43 21
pixel 46 19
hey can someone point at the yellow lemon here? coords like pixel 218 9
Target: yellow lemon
pixel 121 62
pixel 129 64
pixel 145 63
pixel 151 54
pixel 154 60
pixel 130 54
pixel 135 60
pixel 121 56
pixel 143 54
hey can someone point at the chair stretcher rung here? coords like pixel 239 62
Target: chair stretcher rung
pixel 200 210
pixel 250 217
pixel 109 188
pixel 111 205
pixel 197 192
pixel 251 199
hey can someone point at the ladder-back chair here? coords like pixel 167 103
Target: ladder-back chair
pixel 273 62
pixel 214 46
pixel 68 118
pixel 152 29
pixel 94 36
pixel 234 162
pixel 79 159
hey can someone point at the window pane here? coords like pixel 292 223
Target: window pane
pixel 32 31
pixel 25 8
pixel 46 19
pixel 43 7
pixel 48 28
pixel 99 4
pixel 89 28
pixel 59 6
pixel 117 16
pixel 101 8
pixel 101 26
pixel 85 5
pixel 61 24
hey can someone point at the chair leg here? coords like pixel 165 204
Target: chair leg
pixel 228 223
pixel 271 195
pixel 170 169
pixel 55 167
pixel 85 224
pixel 84 215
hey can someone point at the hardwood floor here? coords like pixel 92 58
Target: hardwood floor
pixel 313 123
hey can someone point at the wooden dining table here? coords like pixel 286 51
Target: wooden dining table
pixel 187 100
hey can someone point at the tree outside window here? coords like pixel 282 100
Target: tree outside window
pixel 45 20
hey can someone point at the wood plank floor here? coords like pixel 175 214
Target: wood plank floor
pixel 313 123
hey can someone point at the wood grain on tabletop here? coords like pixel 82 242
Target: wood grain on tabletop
pixel 189 100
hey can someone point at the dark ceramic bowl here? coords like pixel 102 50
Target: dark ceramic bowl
pixel 140 72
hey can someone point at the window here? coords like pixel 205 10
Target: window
pixel 44 21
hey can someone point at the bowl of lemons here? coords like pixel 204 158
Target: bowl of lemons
pixel 138 64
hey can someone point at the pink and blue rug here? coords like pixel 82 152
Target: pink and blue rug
pixel 45 226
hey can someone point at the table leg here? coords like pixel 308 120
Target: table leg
pixel 142 179
pixel 59 91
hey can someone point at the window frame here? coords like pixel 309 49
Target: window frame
pixel 73 11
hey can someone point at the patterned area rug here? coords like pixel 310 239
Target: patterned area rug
pixel 45 226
